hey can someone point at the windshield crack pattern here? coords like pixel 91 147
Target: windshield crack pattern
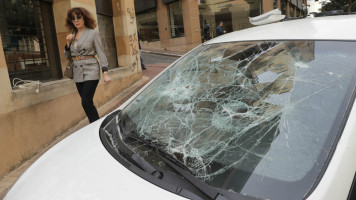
pixel 250 111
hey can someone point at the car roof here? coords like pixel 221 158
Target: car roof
pixel 318 28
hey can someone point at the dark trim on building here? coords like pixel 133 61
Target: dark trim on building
pixel 144 5
pixel 52 42
pixel 104 8
pixel 169 1
pixel 297 3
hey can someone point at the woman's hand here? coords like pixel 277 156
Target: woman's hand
pixel 107 78
pixel 69 39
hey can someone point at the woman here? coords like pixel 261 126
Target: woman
pixel 82 45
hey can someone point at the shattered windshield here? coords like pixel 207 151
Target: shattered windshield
pixel 258 118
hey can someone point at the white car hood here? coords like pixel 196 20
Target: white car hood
pixel 79 167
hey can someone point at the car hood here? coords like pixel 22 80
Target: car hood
pixel 79 167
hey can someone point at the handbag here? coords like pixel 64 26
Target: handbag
pixel 68 72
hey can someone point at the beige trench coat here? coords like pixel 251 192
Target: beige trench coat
pixel 88 44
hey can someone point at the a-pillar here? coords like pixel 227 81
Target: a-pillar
pixel 126 38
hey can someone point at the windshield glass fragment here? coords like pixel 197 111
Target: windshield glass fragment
pixel 250 117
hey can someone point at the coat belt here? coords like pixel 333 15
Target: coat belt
pixel 77 58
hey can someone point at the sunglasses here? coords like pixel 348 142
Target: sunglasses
pixel 79 17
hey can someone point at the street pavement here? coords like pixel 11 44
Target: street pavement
pixel 156 57
pixel 155 62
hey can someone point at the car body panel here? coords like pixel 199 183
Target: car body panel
pixel 317 29
pixel 337 179
pixel 79 167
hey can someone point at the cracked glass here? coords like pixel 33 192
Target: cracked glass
pixel 259 118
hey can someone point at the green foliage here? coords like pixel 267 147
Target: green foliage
pixel 345 5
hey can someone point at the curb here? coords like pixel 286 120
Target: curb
pixel 162 53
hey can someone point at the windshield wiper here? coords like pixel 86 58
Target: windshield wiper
pixel 139 161
pixel 108 131
pixel 207 190
pixel 155 148
pixel 184 171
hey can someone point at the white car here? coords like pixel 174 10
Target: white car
pixel 263 113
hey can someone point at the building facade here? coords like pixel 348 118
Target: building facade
pixel 32 40
pixel 180 25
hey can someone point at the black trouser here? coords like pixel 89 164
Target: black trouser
pixel 86 91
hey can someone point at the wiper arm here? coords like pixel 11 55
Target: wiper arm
pixel 111 121
pixel 158 150
pixel 140 162
pixel 183 171
pixel 207 190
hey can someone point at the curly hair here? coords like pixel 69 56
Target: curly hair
pixel 89 20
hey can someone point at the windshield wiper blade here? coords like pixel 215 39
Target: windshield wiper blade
pixel 139 161
pixel 183 170
pixel 206 189
pixel 158 150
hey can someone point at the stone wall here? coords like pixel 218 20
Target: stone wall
pixel 29 121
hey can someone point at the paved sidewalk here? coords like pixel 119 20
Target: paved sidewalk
pixel 152 71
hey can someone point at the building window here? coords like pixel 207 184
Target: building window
pixel 176 19
pixel 291 10
pixel 147 25
pixel 234 15
pixel 284 7
pixel 106 31
pixel 146 20
pixel 29 40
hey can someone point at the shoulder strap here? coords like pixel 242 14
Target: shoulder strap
pixel 74 33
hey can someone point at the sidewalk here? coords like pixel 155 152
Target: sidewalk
pixel 152 71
